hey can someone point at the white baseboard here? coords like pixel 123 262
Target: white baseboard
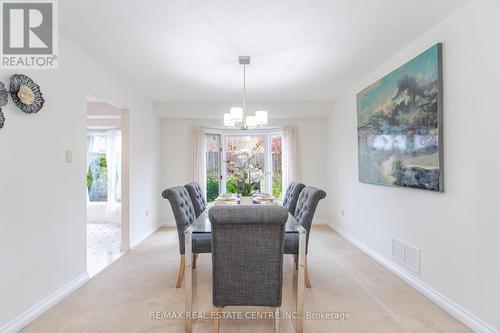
pixel 474 323
pixel 38 309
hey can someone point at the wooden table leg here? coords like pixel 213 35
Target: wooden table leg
pixel 182 268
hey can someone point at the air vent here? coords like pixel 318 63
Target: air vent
pixel 406 255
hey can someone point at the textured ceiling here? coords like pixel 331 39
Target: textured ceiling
pixel 302 50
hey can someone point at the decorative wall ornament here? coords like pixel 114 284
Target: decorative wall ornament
pixel 3 102
pixel 25 93
pixel 3 95
pixel 400 126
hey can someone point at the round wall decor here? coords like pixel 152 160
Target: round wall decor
pixel 25 93
pixel 2 119
pixel 3 95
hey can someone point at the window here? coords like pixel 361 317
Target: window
pixel 213 160
pixel 277 159
pixel 97 169
pixel 233 156
pixel 248 153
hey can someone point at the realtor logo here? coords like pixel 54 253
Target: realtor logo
pixel 29 34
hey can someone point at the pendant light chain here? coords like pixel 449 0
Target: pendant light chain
pixel 244 97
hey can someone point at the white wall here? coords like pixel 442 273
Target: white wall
pixel 311 136
pixel 458 231
pixel 216 110
pixel 42 199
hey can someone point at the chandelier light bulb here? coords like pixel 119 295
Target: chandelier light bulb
pixel 237 114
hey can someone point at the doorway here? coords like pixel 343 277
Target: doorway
pixel 106 184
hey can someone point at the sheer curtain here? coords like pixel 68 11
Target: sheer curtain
pixel 90 160
pixel 94 145
pixel 290 165
pixel 197 163
pixel 113 159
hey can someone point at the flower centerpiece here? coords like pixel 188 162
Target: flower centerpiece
pixel 245 168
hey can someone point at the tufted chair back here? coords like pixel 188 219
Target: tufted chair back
pixel 197 197
pixel 306 206
pixel 292 195
pixel 183 210
pixel 247 255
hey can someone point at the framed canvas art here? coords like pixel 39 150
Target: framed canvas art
pixel 400 125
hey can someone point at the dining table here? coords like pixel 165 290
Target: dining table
pixel 203 225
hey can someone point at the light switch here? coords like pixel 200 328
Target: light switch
pixel 69 156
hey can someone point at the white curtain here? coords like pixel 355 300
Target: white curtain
pixel 113 159
pixel 90 147
pixel 290 166
pixel 197 156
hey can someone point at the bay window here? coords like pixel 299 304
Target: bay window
pixel 260 150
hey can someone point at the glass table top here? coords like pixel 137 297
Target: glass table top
pixel 203 225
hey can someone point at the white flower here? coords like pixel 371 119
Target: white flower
pixel 26 95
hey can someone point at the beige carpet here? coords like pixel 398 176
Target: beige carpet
pixel 121 297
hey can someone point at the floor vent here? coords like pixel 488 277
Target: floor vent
pixel 407 255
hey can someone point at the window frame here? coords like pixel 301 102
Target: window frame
pixel 268 135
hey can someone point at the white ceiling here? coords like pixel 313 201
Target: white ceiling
pixel 302 50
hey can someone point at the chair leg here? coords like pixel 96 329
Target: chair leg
pixel 308 282
pixel 182 266
pixel 216 320
pixel 195 256
pixel 296 261
pixel 277 315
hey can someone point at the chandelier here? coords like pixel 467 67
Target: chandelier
pixel 236 117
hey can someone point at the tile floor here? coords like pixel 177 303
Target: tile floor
pixel 122 297
pixel 103 246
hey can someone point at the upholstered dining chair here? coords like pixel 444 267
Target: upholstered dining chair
pixel 292 196
pixel 247 257
pixel 184 214
pixel 197 197
pixel 304 213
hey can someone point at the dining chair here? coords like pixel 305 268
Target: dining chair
pixel 197 197
pixel 247 257
pixel 304 213
pixel 184 214
pixel 292 195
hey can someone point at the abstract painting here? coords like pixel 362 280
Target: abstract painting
pixel 400 126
